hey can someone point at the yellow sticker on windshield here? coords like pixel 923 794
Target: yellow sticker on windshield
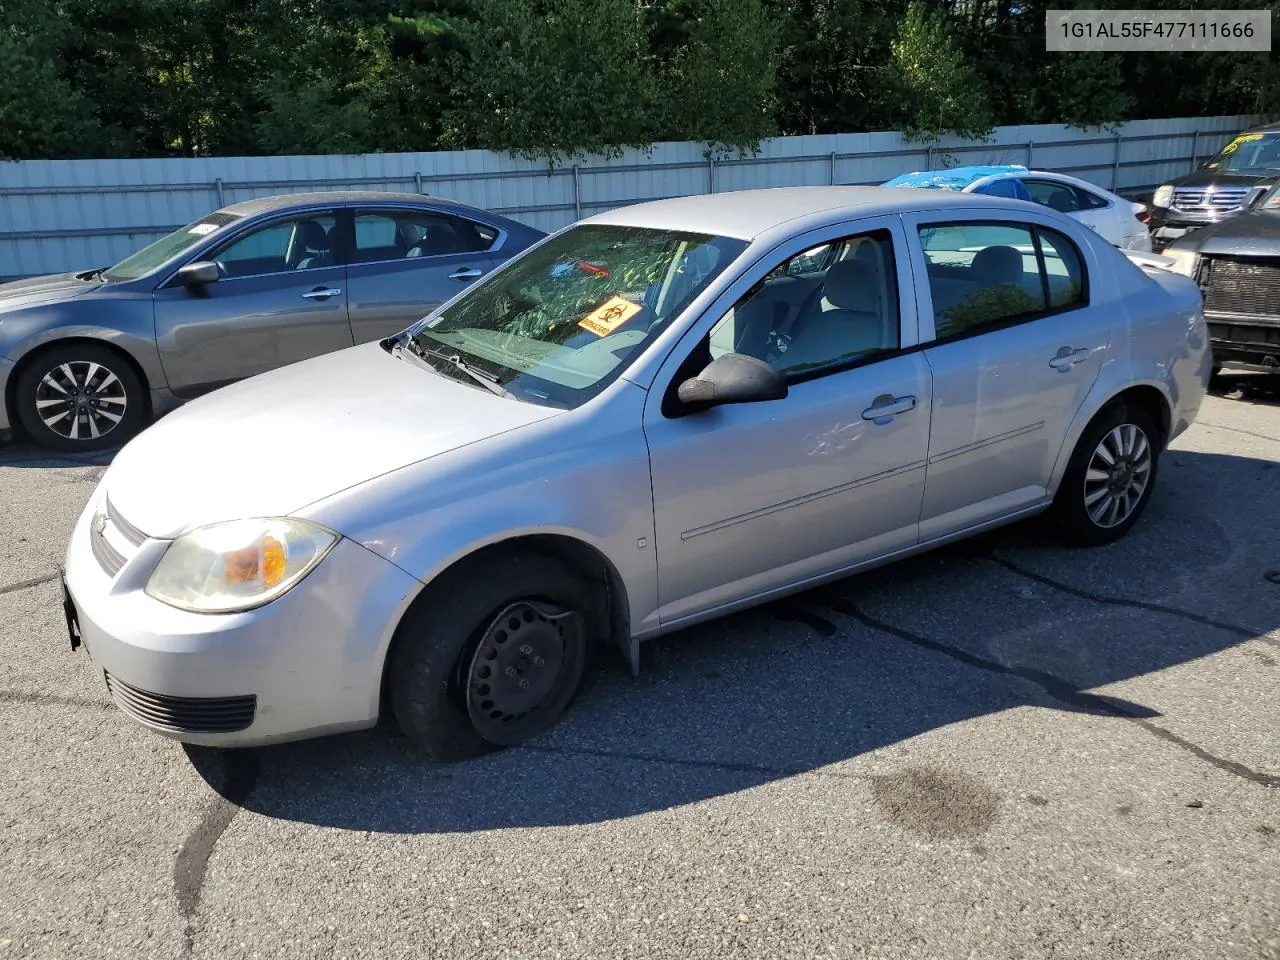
pixel 609 316
pixel 1234 144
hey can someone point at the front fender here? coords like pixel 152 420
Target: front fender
pixel 127 323
pixel 583 475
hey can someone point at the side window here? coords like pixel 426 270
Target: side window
pixel 980 275
pixel 805 320
pixel 1088 200
pixel 1055 196
pixel 986 276
pixel 295 244
pixel 401 235
pixel 1063 270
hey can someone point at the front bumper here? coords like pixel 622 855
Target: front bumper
pixel 6 370
pixel 304 665
pixel 1245 343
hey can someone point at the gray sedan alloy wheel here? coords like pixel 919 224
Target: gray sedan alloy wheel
pixel 80 397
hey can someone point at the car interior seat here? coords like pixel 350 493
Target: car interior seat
pixel 314 241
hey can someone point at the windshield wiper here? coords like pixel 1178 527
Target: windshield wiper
pixel 92 274
pixel 482 377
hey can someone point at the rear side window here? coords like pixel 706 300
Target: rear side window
pixel 1063 197
pixel 410 234
pixel 984 276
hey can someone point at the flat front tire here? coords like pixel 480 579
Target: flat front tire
pixel 79 397
pixel 492 655
pixel 1109 479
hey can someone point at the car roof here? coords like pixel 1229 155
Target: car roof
pixel 282 201
pixel 747 214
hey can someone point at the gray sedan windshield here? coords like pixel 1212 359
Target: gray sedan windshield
pixel 166 248
pixel 563 321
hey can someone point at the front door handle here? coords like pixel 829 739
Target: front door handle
pixel 321 293
pixel 887 406
pixel 1066 358
pixel 466 273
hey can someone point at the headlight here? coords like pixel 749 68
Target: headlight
pixel 1184 261
pixel 1163 196
pixel 229 567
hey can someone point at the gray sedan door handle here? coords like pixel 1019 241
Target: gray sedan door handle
pixel 887 406
pixel 1066 358
pixel 321 293
pixel 466 273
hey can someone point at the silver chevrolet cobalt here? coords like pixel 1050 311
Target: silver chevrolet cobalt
pixel 652 417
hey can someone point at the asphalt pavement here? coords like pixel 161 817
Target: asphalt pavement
pixel 1005 749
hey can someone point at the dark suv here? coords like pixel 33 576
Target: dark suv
pixel 1219 188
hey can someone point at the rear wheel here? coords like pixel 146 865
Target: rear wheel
pixel 1109 479
pixel 492 655
pixel 79 397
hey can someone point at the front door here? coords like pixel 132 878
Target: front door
pixel 281 298
pixel 405 263
pixel 753 497
pixel 1015 344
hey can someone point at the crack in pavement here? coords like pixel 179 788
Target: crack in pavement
pixel 1236 629
pixel 50 699
pixel 27 584
pixel 240 776
pixel 1058 689
pixel 728 766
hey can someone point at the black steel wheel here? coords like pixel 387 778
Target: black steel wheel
pixel 491 655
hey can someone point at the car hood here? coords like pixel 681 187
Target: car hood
pixel 272 444
pixel 37 290
pixel 1204 178
pixel 1248 235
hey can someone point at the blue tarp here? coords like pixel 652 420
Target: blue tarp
pixel 954 178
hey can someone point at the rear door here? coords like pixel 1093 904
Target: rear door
pixel 281 298
pixel 1015 339
pixel 404 263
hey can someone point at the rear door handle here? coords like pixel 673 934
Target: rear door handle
pixel 466 273
pixel 321 293
pixel 1066 358
pixel 887 406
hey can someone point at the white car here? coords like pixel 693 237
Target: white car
pixel 655 416
pixel 1122 222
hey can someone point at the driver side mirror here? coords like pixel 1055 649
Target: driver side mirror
pixel 198 274
pixel 733 378
pixel 1253 196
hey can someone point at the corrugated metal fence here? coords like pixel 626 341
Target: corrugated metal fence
pixel 58 215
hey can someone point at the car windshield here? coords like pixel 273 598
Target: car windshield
pixel 1249 153
pixel 1269 201
pixel 166 248
pixel 561 322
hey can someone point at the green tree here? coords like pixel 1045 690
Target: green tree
pixel 937 88
pixel 551 79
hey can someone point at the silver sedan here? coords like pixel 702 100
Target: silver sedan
pixel 656 416
pixel 86 359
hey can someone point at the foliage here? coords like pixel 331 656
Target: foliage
pixel 556 79
pixel 933 79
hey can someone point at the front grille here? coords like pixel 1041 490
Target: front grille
pixel 1208 199
pixel 183 714
pixel 1246 286
pixel 107 525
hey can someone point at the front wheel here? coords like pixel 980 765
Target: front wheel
pixel 1109 479
pixel 492 655
pixel 79 397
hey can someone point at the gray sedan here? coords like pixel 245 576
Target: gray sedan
pixel 656 416
pixel 86 359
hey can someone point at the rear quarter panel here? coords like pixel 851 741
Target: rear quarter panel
pixel 1159 340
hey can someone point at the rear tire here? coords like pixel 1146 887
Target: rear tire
pixel 462 682
pixel 1099 501
pixel 79 397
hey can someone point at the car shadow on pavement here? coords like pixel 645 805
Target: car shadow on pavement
pixel 1002 621
pixel 19 454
